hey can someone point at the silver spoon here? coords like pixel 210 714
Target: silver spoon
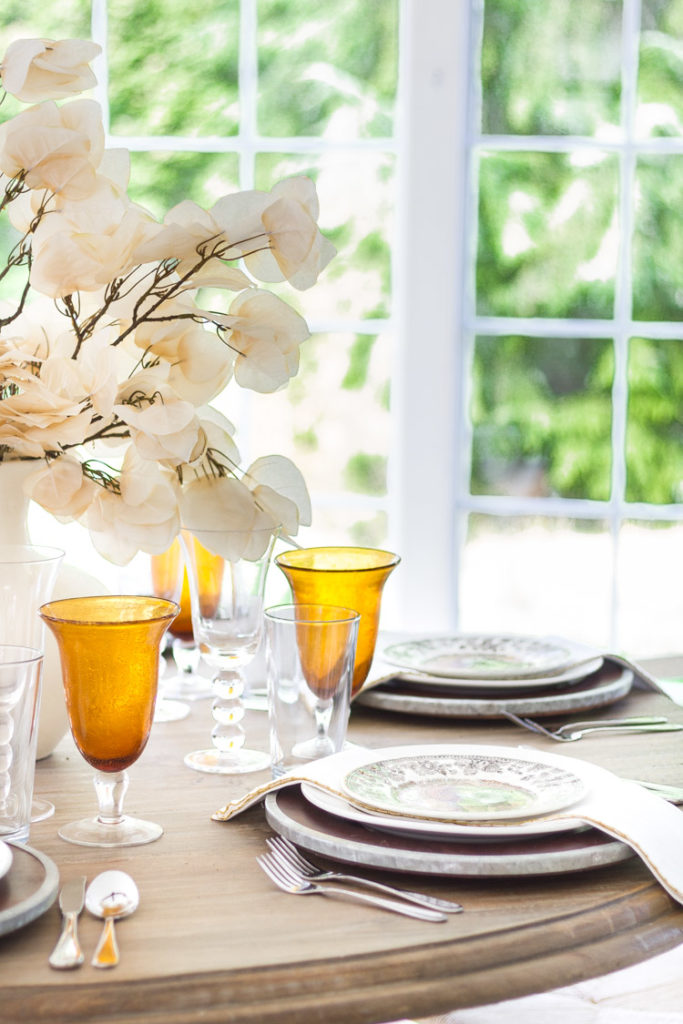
pixel 110 895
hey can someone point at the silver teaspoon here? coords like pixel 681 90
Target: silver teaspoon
pixel 110 895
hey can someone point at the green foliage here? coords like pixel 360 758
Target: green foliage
pixel 654 440
pixel 159 180
pixel 542 223
pixel 316 60
pixel 307 439
pixel 550 67
pixel 359 360
pixel 366 474
pixel 22 19
pixel 173 67
pixel 657 240
pixel 541 413
pixel 370 533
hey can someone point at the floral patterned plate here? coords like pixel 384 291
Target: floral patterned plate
pixel 484 656
pixel 462 784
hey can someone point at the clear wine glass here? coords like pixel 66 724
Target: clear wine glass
pixel 109 649
pixel 227 585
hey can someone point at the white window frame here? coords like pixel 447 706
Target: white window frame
pixel 438 321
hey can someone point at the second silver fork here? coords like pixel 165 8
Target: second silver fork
pixel 293 882
pixel 282 848
pixel 573 731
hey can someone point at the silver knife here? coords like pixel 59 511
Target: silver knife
pixel 68 953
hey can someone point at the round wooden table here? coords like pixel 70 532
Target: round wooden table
pixel 214 942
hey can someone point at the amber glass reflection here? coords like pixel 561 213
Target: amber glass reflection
pixel 166 570
pixel 343 576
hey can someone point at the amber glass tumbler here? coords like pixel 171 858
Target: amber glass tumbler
pixel 346 576
pixel 109 650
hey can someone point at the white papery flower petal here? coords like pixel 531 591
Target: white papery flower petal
pixel 37 69
pixel 223 503
pixel 266 332
pixel 296 250
pixel 218 433
pixel 59 148
pixel 61 488
pixel 280 509
pixel 283 476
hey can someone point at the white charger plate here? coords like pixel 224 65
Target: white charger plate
pixel 468 783
pixel 417 828
pixel 457 685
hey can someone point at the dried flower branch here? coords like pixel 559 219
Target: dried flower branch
pixel 106 348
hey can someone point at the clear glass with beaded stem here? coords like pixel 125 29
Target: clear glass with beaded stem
pixel 227 622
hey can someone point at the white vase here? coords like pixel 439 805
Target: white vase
pixel 71 582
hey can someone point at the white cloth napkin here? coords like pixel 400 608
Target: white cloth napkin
pixel 651 826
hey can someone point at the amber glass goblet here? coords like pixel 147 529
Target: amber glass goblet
pixel 109 649
pixel 346 576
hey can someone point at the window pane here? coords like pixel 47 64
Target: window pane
pixel 654 439
pixel 539 576
pixel 551 68
pixel 347 524
pixel 333 419
pixel 547 234
pixel 356 194
pixel 327 69
pixel 649 588
pixel 660 69
pixel 541 413
pixel 24 19
pixel 173 67
pixel 159 180
pixel 657 239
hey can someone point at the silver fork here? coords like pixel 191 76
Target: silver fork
pixel 572 731
pixel 289 881
pixel 282 847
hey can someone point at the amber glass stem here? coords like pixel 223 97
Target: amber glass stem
pixel 111 788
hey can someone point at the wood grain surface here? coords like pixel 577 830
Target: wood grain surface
pixel 214 942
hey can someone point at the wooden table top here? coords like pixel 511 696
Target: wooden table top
pixel 213 940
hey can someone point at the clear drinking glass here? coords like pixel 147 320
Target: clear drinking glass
pixel 310 651
pixel 20 670
pixel 109 649
pixel 349 577
pixel 28 573
pixel 227 593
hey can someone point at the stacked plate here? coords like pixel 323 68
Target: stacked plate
pixel 28 885
pixel 465 810
pixel 484 675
